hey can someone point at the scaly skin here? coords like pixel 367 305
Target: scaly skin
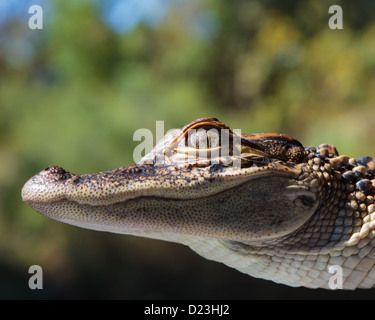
pixel 261 203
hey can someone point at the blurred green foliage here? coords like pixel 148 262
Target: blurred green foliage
pixel 73 94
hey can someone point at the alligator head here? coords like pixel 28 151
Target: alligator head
pixel 260 203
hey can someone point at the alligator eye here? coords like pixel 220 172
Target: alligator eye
pixel 203 139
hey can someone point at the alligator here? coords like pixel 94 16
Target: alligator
pixel 260 203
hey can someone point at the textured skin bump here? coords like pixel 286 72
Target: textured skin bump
pixel 261 203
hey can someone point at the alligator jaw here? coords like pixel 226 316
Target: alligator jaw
pixel 224 205
pixel 176 191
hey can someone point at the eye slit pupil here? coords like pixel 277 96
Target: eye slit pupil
pixel 203 138
pixel 195 138
pixel 213 138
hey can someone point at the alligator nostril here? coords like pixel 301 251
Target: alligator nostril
pixel 57 173
pixel 55 169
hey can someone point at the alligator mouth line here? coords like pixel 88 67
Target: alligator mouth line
pixel 150 214
pixel 34 191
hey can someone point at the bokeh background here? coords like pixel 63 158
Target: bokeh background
pixel 73 94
